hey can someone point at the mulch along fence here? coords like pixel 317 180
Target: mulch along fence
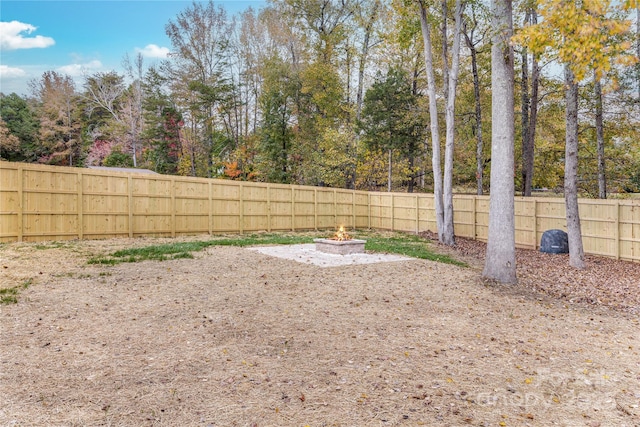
pixel 39 202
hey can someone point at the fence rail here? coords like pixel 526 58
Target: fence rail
pixel 40 202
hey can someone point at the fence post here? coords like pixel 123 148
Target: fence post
pixel 20 203
pixel 335 208
pixel 210 187
pixel 315 209
pixel 241 209
pixel 417 215
pixel 393 212
pixel 369 210
pixel 80 207
pixel 353 207
pixel 617 229
pixel 474 213
pixel 293 209
pixel 173 207
pixel 269 208
pixel 130 185
pixel 535 224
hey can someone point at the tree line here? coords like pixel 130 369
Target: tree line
pixel 335 93
pixel 357 93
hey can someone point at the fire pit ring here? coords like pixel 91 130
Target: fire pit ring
pixel 340 247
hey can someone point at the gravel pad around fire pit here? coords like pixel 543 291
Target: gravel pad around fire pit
pixel 308 254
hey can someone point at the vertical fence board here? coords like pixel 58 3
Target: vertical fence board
pixel 343 208
pixel 255 212
pixel 279 207
pixel 463 213
pixel 191 211
pixel 304 208
pixel 210 209
pixel 325 209
pixel 153 205
pixel 629 223
pixel 80 206
pixel 226 207
pixel 105 205
pixel 49 204
pixel 525 225
pixel 361 210
pixel 11 203
pixel 20 204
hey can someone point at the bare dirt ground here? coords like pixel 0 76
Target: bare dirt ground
pixel 239 338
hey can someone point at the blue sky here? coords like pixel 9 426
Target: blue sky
pixel 85 36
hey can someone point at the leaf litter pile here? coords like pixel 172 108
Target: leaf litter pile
pixel 237 338
pixel 605 281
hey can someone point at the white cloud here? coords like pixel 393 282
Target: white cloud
pixel 78 70
pixel 11 37
pixel 153 51
pixel 7 72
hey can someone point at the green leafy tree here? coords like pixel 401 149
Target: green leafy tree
pixel 319 108
pixel 22 122
pixel 277 102
pixel 390 120
pixel 198 76
pixel 161 137
pixel 337 157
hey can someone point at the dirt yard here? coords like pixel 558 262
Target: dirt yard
pixel 238 338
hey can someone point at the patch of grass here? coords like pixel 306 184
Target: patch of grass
pixel 263 239
pixel 386 242
pixel 51 245
pixel 408 245
pixel 10 295
pixel 183 249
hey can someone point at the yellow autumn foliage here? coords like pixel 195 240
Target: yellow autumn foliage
pixel 587 35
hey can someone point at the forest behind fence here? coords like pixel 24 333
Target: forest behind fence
pixel 40 202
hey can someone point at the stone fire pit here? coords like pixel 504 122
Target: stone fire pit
pixel 340 247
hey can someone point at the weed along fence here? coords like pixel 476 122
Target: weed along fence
pixel 40 202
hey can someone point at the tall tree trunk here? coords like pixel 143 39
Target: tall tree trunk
pixel 469 38
pixel 414 91
pixel 529 110
pixel 362 65
pixel 576 251
pixel 524 117
pixel 529 153
pixel 638 47
pixel 478 118
pixel 449 234
pixel 602 177
pixel 364 56
pixel 433 116
pixel 445 49
pixel 500 259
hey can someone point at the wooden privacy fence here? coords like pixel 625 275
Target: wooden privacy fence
pixel 40 202
pixel 49 203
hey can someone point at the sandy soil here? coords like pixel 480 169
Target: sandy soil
pixel 239 338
